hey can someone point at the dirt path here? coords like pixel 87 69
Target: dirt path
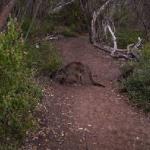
pixel 88 117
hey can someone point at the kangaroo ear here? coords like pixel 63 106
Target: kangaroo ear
pixel 62 81
pixel 52 75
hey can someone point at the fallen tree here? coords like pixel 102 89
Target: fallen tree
pixel 102 22
pixel 132 50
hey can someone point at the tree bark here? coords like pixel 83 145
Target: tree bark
pixel 5 12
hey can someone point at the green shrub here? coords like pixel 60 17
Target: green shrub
pixel 71 19
pixel 126 37
pixel 68 32
pixel 138 83
pixel 38 28
pixel 68 22
pixel 44 57
pixel 18 94
pixel 25 24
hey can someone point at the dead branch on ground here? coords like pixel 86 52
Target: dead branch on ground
pixel 132 50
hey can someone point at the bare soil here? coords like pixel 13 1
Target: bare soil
pixel 88 117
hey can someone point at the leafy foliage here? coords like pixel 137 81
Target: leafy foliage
pixel 126 37
pixel 138 83
pixel 70 20
pixel 44 57
pixel 18 94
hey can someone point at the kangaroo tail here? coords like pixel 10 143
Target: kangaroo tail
pixel 98 84
pixel 94 82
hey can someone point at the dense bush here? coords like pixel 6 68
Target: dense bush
pixel 138 83
pixel 126 37
pixel 43 57
pixel 18 94
pixel 37 27
pixel 69 21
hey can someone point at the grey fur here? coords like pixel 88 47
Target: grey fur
pixel 75 73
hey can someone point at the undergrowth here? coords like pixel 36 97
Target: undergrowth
pixel 19 62
pixel 68 22
pixel 44 57
pixel 18 93
pixel 126 37
pixel 138 83
pixel 72 18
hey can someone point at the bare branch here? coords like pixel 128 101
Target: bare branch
pixel 132 51
pixel 61 5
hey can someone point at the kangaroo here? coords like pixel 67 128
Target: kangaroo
pixel 75 72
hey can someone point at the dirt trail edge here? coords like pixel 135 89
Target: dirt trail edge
pixel 88 117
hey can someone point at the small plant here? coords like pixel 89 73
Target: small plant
pixel 25 24
pixel 44 57
pixel 138 83
pixel 18 93
pixel 69 32
pixel 126 37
